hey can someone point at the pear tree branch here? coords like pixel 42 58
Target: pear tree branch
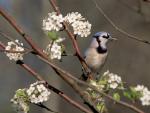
pixel 69 78
pixel 73 39
pixel 55 90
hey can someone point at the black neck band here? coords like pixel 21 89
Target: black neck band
pixel 101 50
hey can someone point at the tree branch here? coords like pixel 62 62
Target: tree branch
pixel 45 107
pixel 39 77
pixel 73 82
pixel 39 52
pixel 66 76
pixel 21 32
pixel 73 39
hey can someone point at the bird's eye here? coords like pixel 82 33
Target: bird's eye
pixel 105 36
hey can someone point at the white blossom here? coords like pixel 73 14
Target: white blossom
pixel 54 49
pixel 73 17
pixel 140 88
pixel 53 22
pixel 113 79
pixel 19 102
pixel 38 93
pixel 14 46
pixel 113 85
pixel 81 28
pixel 145 98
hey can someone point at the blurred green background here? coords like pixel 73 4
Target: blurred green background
pixel 128 58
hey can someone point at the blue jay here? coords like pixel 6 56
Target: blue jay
pixel 96 54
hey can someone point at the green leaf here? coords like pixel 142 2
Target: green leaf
pixel 135 94
pixel 101 107
pixel 52 35
pixel 94 94
pixel 116 96
pixel 102 82
pixel 128 95
pixel 21 93
pixel 132 94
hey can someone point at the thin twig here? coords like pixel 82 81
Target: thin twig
pixel 56 8
pixel 13 51
pixel 7 37
pixel 21 32
pixel 13 40
pixel 45 107
pixel 117 28
pixel 2 45
pixel 27 50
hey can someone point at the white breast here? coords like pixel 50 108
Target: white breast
pixel 94 60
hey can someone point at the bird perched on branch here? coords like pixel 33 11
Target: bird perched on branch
pixel 96 54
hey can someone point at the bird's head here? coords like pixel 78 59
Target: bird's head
pixel 101 39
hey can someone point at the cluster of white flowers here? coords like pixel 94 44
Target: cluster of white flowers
pixel 14 46
pixel 145 94
pixel 75 19
pixel 54 49
pixel 113 79
pixel 97 98
pixel 108 79
pixel 38 93
pixel 81 28
pixel 19 102
pixel 53 22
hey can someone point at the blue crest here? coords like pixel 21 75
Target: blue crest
pixel 98 34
